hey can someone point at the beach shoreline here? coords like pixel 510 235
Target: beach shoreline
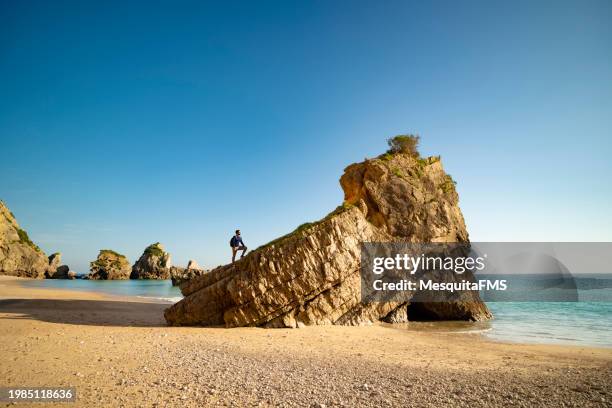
pixel 118 351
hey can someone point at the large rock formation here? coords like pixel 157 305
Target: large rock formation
pixel 311 276
pixel 19 256
pixel 109 265
pixel 154 263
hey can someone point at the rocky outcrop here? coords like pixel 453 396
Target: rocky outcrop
pixel 55 270
pixel 193 265
pixel 311 276
pixel 109 265
pixel 19 256
pixel 62 272
pixel 181 275
pixel 55 261
pixel 154 263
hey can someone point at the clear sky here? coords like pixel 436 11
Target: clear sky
pixel 126 124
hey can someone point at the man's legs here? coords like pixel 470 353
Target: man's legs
pixel 243 249
pixel 236 249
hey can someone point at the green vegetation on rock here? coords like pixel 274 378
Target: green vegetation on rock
pixel 110 252
pixel 449 184
pixel 308 225
pixel 405 144
pixel 25 239
pixel 103 260
pixel 155 250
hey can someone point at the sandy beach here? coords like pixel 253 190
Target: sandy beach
pixel 118 352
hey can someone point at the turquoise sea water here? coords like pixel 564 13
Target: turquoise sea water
pixel 154 290
pixel 576 323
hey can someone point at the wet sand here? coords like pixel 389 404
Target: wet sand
pixel 118 352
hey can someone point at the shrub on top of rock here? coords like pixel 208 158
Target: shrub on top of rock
pixel 405 144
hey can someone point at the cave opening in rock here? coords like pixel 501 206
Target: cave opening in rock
pixel 421 312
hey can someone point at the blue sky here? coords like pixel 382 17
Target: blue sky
pixel 126 124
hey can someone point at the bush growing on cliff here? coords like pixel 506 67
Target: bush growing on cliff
pixel 104 253
pixel 25 239
pixel 155 250
pixel 307 225
pixel 449 184
pixel 406 144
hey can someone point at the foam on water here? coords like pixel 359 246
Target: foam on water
pixel 162 299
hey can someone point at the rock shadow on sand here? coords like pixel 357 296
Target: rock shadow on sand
pixel 85 312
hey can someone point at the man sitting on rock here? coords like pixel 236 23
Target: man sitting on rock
pixel 237 245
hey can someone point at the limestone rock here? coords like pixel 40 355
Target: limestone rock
pixel 311 276
pixel 19 256
pixel 109 265
pixel 55 270
pixel 61 272
pixel 193 265
pixel 180 275
pixel 54 262
pixel 71 275
pixel 154 263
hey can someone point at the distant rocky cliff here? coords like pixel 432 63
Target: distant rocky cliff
pixel 109 265
pixel 154 263
pixel 311 276
pixel 19 256
pixel 180 275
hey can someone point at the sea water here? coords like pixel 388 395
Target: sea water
pixel 153 290
pixel 574 323
pixel 586 323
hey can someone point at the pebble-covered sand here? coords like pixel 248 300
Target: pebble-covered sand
pixel 119 353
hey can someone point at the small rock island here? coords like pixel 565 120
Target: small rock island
pixel 154 263
pixel 109 265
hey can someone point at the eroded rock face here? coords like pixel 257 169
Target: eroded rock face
pixel 181 275
pixel 311 276
pixel 55 270
pixel 154 263
pixel 55 261
pixel 110 265
pixel 409 198
pixel 19 256
pixel 193 265
pixel 62 272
